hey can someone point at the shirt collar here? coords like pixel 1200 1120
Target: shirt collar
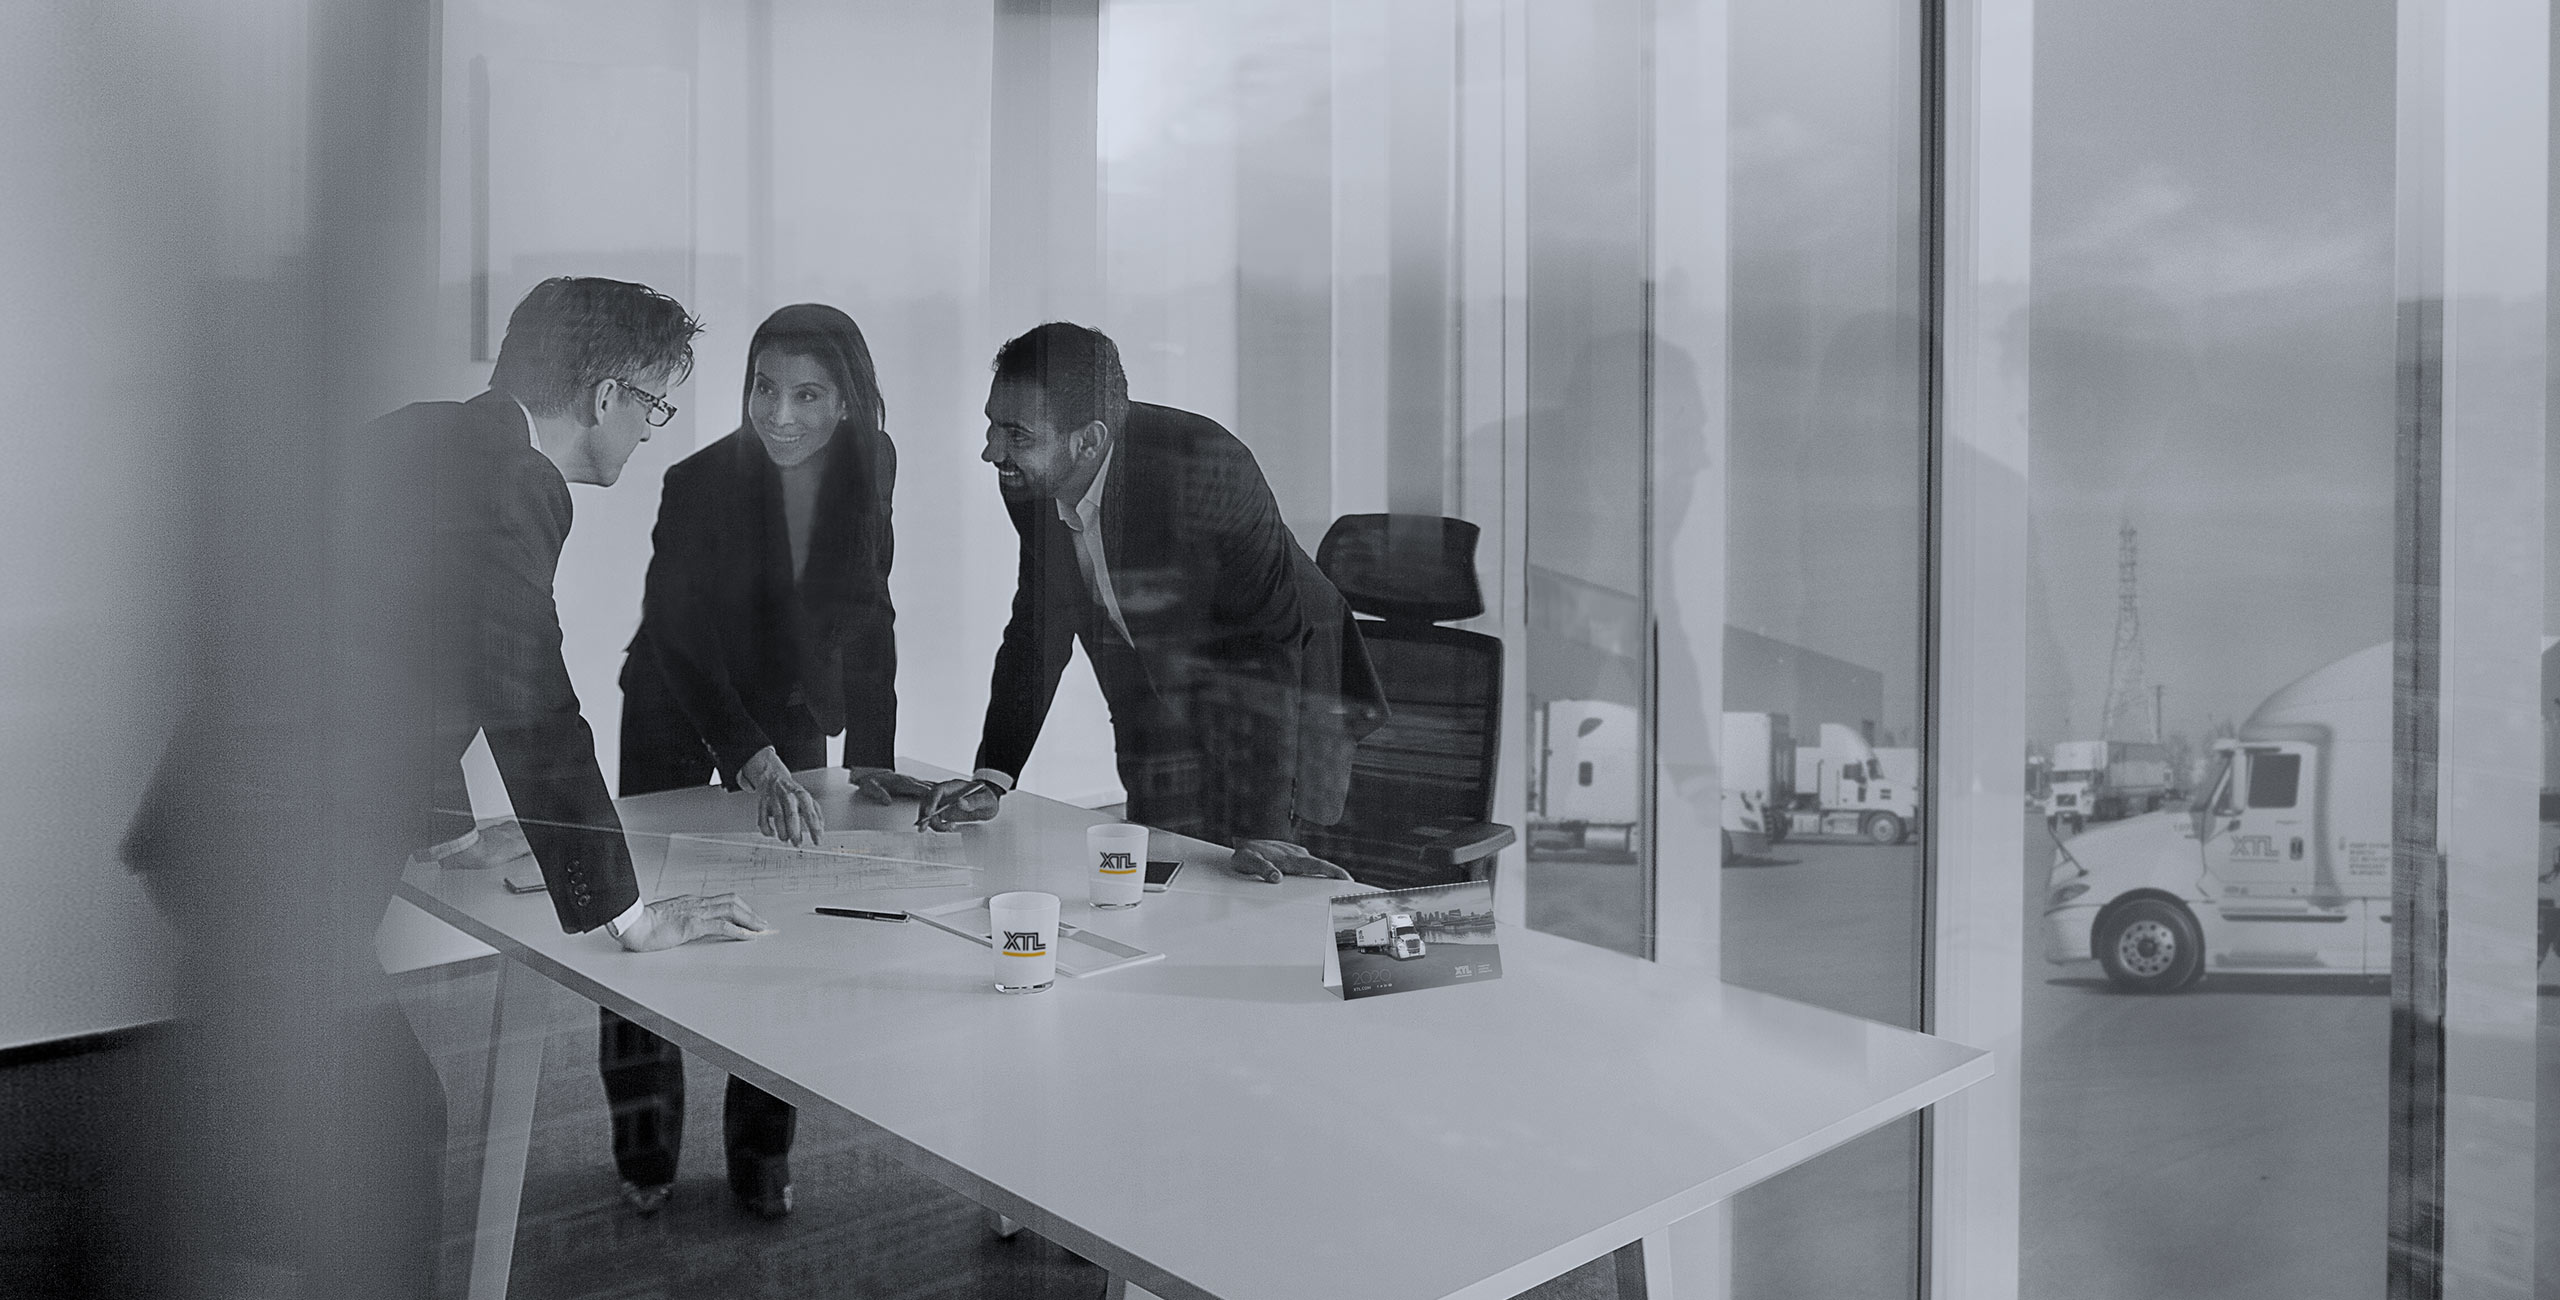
pixel 1088 508
pixel 533 439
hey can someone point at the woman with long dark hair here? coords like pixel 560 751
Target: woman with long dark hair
pixel 765 628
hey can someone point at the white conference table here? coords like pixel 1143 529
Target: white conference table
pixel 1218 1124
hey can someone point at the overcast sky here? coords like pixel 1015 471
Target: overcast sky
pixel 2212 345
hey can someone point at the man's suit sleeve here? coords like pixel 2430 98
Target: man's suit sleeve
pixel 529 711
pixel 1037 644
pixel 871 625
pixel 678 617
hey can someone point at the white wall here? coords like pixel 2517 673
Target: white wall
pixel 105 138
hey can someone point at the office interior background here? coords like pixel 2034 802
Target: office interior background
pixel 1927 384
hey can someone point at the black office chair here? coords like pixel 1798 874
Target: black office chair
pixel 1421 799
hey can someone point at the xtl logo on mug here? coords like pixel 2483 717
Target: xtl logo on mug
pixel 1023 943
pixel 1118 864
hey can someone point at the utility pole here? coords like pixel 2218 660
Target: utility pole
pixel 2124 667
pixel 2158 734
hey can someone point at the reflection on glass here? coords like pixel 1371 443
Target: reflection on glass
pixel 1822 680
pixel 2546 1173
pixel 2204 1089
pixel 1587 652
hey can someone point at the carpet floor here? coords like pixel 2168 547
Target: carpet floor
pixel 865 1227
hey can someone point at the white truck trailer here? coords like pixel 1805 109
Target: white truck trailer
pixel 1759 781
pixel 2282 862
pixel 1585 792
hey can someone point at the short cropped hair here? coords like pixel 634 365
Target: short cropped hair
pixel 1076 369
pixel 574 332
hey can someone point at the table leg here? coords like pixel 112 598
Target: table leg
pixel 1121 1288
pixel 1690 1260
pixel 516 1031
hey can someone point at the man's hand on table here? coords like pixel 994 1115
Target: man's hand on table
pixel 888 785
pixel 670 922
pixel 953 802
pixel 493 845
pixel 785 809
pixel 1268 860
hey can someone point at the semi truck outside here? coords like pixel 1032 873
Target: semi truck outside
pixel 1841 788
pixel 2282 862
pixel 1585 791
pixel 2106 780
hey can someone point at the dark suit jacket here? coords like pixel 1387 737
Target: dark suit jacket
pixel 502 514
pixel 1227 614
pixel 739 644
pixel 431 610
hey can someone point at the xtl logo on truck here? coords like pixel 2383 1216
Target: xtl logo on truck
pixel 2254 846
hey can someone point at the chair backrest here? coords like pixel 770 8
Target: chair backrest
pixel 1433 760
pixel 1404 568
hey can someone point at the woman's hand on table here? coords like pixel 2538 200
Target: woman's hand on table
pixel 785 809
pixel 672 922
pixel 1268 860
pixel 888 785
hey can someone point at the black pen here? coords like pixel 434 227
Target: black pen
pixel 862 914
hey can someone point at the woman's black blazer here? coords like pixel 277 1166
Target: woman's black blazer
pixel 743 650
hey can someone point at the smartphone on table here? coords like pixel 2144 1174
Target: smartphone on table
pixel 1160 875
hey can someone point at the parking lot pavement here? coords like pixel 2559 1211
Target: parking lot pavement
pixel 2229 1141
pixel 2225 1142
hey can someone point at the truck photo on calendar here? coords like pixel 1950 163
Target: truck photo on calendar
pixel 1419 938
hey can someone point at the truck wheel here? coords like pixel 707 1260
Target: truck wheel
pixel 2151 946
pixel 1882 828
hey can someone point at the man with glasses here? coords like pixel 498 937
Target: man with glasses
pixel 278 822
pixel 580 381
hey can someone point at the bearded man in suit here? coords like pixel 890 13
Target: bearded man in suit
pixel 1237 682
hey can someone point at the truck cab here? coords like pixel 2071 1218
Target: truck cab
pixel 1404 942
pixel 2280 864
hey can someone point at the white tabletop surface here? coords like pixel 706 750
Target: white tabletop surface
pixel 1218 1123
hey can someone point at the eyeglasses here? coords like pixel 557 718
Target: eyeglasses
pixel 660 409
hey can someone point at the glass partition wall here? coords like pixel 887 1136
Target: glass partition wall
pixel 1506 243
pixel 1825 634
pixel 2209 628
pixel 1643 288
pixel 1821 455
